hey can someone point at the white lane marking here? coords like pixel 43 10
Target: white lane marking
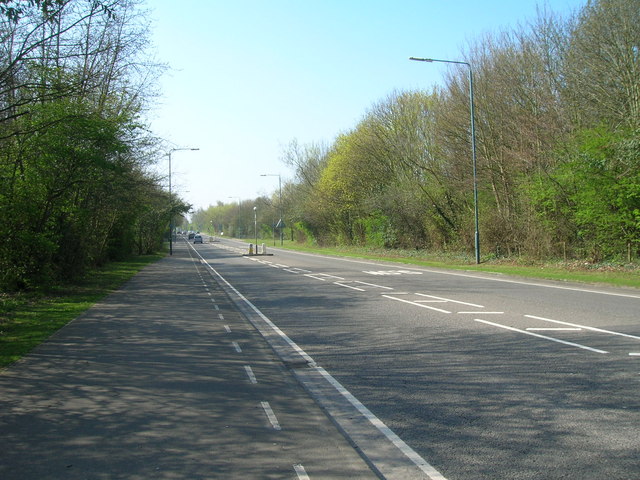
pixel 382 427
pixel 301 472
pixel 373 285
pixel 271 416
pixel 323 276
pixel 227 329
pixel 593 329
pixel 379 424
pixel 469 275
pixel 392 272
pixel 634 354
pixel 250 374
pixel 553 329
pixel 220 316
pixel 282 265
pixel 449 300
pixel 584 347
pixel 216 307
pixel 349 286
pixel 416 304
pixel 483 313
pixel 236 347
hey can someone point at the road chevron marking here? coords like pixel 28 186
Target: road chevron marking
pixel 572 344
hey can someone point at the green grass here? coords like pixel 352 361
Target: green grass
pixel 27 319
pixel 620 275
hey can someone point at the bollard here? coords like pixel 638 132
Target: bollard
pixel 251 249
pixel 264 249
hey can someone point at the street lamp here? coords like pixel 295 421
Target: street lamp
pixel 255 225
pixel 280 224
pixel 473 145
pixel 171 199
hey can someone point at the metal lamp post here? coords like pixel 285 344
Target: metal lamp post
pixel 255 225
pixel 280 223
pixel 473 146
pixel 171 198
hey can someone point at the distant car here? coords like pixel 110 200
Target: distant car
pixel 191 235
pixel 197 238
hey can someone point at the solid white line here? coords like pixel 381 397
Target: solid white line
pixel 449 300
pixel 373 285
pixel 416 304
pixel 397 441
pixel 593 329
pixel 250 374
pixel 349 286
pixel 386 431
pixel 270 415
pixel 301 472
pixel 584 347
pixel 236 347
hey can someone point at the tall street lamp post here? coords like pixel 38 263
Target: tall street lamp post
pixel 171 198
pixel 473 146
pixel 255 225
pixel 280 224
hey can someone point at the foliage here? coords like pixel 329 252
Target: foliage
pixel 75 191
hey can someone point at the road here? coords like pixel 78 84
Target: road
pixel 482 376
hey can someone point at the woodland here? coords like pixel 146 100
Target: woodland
pixel 76 187
pixel 557 133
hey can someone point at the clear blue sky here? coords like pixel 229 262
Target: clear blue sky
pixel 249 76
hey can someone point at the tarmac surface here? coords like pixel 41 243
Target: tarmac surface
pixel 165 379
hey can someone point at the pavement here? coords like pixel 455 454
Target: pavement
pixel 166 379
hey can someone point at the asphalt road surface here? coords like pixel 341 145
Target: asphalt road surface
pixel 481 377
pixel 164 379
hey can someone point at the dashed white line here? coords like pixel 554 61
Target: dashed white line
pixel 482 313
pixel 554 329
pixel 220 316
pixel 584 347
pixel 593 329
pixel 449 300
pixel 271 416
pixel 373 285
pixel 301 472
pixel 227 329
pixel 323 276
pixel 250 374
pixel 349 286
pixel 416 304
pixel 236 347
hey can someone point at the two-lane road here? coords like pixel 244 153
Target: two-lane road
pixel 486 377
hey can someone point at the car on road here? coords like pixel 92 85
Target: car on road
pixel 197 238
pixel 191 235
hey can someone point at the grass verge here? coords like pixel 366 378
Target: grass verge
pixel 619 275
pixel 27 319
